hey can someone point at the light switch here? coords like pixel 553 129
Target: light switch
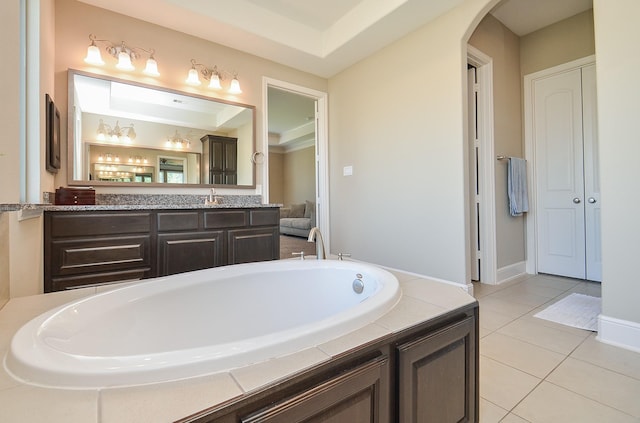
pixel 347 171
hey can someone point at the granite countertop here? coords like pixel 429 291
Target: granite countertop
pixel 146 202
pixel 422 300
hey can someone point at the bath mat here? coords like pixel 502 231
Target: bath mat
pixel 577 310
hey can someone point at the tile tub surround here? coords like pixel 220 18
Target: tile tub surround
pixel 422 300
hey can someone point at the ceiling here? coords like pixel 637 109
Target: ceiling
pixel 322 37
pixel 319 37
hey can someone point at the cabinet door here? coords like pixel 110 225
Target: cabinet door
pixel 358 395
pixel 437 376
pixel 188 251
pixel 249 245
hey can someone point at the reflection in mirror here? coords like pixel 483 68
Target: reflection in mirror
pixel 123 133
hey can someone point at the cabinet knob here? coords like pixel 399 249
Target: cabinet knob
pixel 592 200
pixel 576 200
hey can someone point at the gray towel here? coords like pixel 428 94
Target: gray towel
pixel 517 186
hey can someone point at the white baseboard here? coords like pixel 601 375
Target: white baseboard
pixel 620 333
pixel 467 287
pixel 510 272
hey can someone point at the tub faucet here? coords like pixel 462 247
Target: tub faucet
pixel 314 234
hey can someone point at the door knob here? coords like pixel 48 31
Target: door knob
pixel 576 200
pixel 592 200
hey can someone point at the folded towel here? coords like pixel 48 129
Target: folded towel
pixel 517 186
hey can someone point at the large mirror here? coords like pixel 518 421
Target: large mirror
pixel 124 133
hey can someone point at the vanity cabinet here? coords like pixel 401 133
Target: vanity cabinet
pixel 426 373
pixel 83 248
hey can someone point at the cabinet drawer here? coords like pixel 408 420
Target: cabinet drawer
pixel 264 217
pixel 225 219
pixel 79 281
pixel 178 221
pixel 99 255
pixel 81 224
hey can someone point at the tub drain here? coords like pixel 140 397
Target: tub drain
pixel 358 284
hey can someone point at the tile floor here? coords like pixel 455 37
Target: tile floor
pixel 534 370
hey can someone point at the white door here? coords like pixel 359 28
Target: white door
pixel 591 175
pixel 567 205
pixel 474 186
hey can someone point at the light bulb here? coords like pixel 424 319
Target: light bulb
pixel 193 79
pixel 93 56
pixel 234 88
pixel 124 62
pixel 214 82
pixel 152 67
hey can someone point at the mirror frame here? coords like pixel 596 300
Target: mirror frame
pixel 71 135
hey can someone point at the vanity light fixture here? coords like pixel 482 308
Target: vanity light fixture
pixel 138 160
pixel 116 134
pixel 125 55
pixel 178 142
pixel 215 77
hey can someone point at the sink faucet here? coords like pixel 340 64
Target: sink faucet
pixel 314 234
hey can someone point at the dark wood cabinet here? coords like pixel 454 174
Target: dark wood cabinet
pixel 88 249
pixel 437 375
pixel 98 247
pixel 426 373
pixel 220 160
pixel 249 245
pixel 360 394
pixel 184 252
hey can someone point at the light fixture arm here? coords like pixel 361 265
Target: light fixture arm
pixel 214 75
pixel 125 55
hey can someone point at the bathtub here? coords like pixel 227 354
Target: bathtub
pixel 198 323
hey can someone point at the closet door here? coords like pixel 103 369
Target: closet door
pixel 557 127
pixel 591 175
pixel 567 178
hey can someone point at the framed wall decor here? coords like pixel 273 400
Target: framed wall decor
pixel 53 135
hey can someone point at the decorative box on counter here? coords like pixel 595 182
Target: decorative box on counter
pixel 75 196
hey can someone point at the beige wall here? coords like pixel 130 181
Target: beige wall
pixel 276 177
pixel 174 50
pixel 503 46
pixel 26 257
pixel 5 274
pixel 292 176
pixel 299 175
pixel 559 43
pixel 616 38
pixel 21 256
pixel 404 206
pixel 10 106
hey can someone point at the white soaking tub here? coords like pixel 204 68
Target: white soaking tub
pixel 198 323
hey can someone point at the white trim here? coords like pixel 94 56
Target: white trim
pixel 511 272
pixel 322 149
pixel 620 333
pixel 467 287
pixel 530 153
pixel 488 261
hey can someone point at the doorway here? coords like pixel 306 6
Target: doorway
pixel 561 140
pixel 304 141
pixel 481 169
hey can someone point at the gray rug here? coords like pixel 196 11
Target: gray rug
pixel 576 310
